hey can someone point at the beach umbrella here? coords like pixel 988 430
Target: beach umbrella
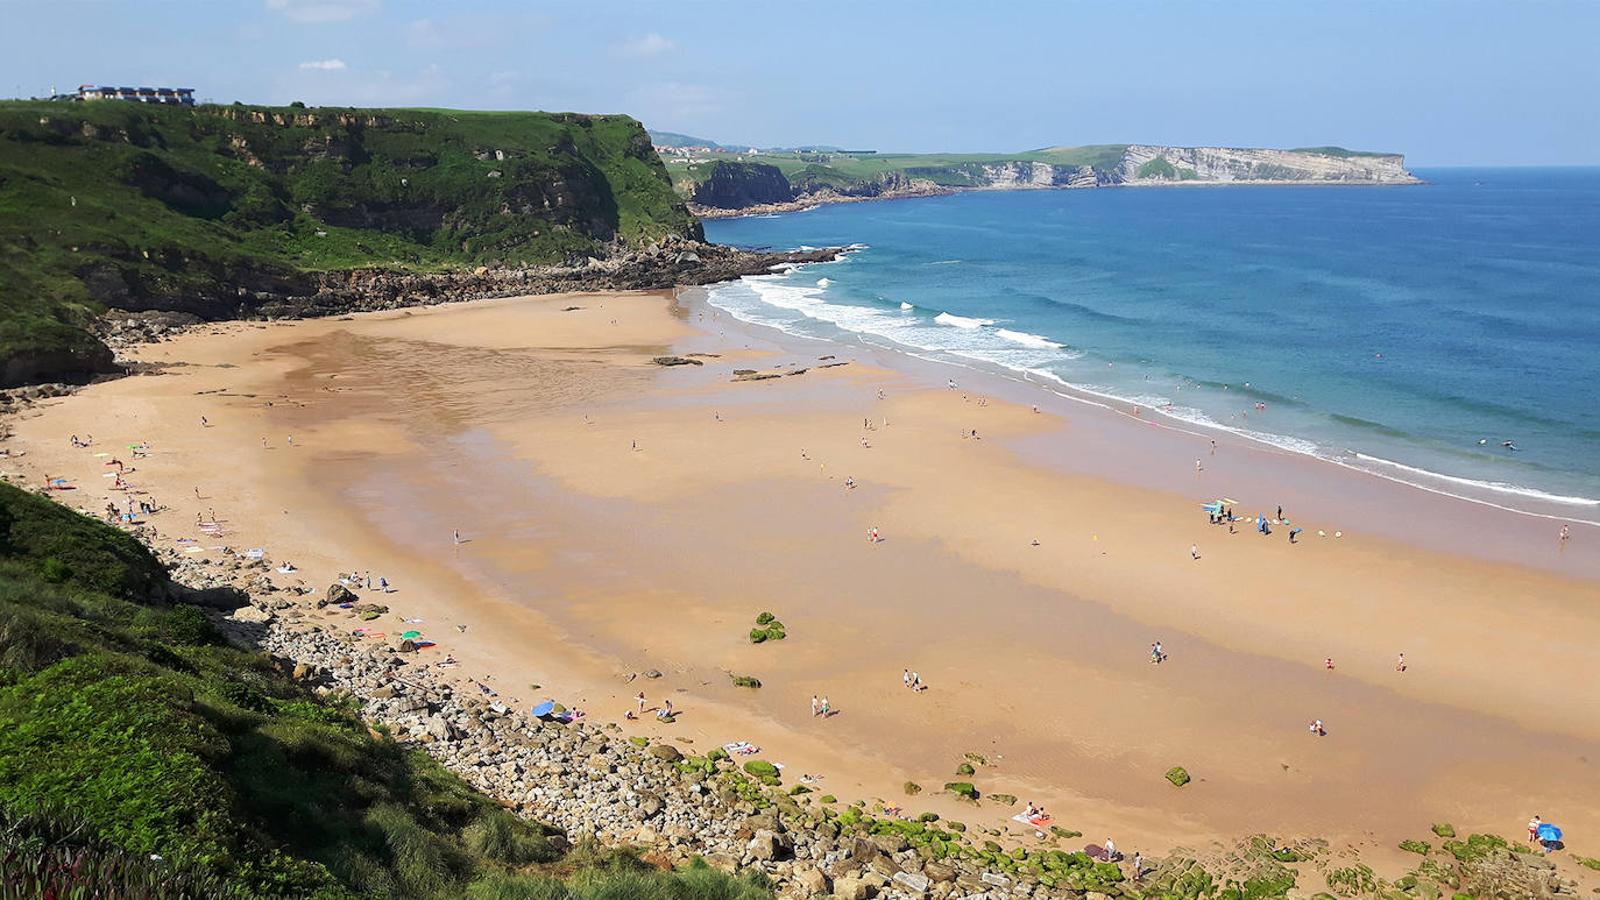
pixel 408 635
pixel 1548 832
pixel 544 709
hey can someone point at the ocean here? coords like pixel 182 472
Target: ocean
pixel 1408 331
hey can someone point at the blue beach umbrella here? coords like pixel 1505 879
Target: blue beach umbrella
pixel 544 709
pixel 1548 832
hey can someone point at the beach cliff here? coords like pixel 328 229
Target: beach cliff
pixel 757 184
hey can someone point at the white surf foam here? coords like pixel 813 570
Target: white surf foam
pixel 1032 341
pixel 905 306
pixel 945 318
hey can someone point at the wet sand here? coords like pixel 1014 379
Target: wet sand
pixel 622 517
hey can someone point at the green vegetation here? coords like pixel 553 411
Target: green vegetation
pixel 965 769
pixel 963 789
pixel 1588 862
pixel 912 789
pixel 765 772
pixel 111 204
pixel 1476 847
pixel 1004 799
pixel 1419 847
pixel 1353 881
pixel 138 750
pixel 747 681
pixel 1444 830
pixel 1340 152
pixel 1158 168
pixel 1178 775
pixel 768 628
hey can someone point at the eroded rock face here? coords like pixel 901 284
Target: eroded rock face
pixel 737 185
pixel 1223 165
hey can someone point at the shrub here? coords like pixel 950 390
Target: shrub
pixel 1178 775
pixel 504 838
pixel 912 789
pixel 1420 847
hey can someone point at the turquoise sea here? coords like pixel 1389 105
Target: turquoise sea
pixel 1409 331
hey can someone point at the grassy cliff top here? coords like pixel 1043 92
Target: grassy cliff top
pixel 115 203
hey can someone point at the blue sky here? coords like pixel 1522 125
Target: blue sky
pixel 1447 83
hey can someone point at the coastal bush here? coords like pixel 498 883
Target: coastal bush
pixel 912 788
pixel 1444 829
pixel 965 769
pixel 1419 847
pixel 1178 775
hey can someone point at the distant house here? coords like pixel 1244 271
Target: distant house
pixel 163 95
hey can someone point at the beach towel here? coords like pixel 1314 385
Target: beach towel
pixel 255 553
pixel 742 748
pixel 1036 821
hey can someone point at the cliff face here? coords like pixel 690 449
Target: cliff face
pixel 1223 165
pixel 200 210
pixel 736 185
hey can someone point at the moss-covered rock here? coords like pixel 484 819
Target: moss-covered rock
pixel 1178 775
pixel 1419 847
pixel 962 789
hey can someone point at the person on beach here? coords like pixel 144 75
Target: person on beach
pixel 1316 728
pixel 916 683
pixel 826 709
pixel 1566 533
pixel 815 706
pixel 1157 654
pixel 1138 865
pixel 872 535
pixel 456 536
pixel 640 700
pixel 1198 468
pixel 1327 663
pixel 1213 448
pixel 1111 850
pixel 1400 663
pixel 905 677
pixel 665 712
pixel 1533 829
pixel 1194 551
pixel 1294 534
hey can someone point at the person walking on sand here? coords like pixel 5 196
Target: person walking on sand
pixel 1400 663
pixel 1327 663
pixel 872 535
pixel 905 677
pixel 456 536
pixel 640 698
pixel 1533 829
pixel 1566 534
pixel 1111 850
pixel 815 707
pixel 1194 551
pixel 1198 468
pixel 826 710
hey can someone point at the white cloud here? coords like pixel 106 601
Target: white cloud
pixel 651 44
pixel 325 65
pixel 315 12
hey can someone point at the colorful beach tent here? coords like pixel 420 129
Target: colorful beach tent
pixel 1548 832
pixel 544 709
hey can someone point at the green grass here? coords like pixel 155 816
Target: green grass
pixel 1340 152
pixel 125 205
pixel 127 728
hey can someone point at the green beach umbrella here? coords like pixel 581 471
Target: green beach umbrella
pixel 408 635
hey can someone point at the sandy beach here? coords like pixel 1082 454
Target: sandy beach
pixel 619 517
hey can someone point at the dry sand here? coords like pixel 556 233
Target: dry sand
pixel 622 517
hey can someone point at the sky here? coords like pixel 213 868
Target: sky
pixel 1447 82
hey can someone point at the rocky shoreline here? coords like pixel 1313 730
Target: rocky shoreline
pixel 593 783
pixel 671 262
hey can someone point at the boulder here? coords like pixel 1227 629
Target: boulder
pixel 810 881
pixel 337 594
pixel 851 888
pixel 666 752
